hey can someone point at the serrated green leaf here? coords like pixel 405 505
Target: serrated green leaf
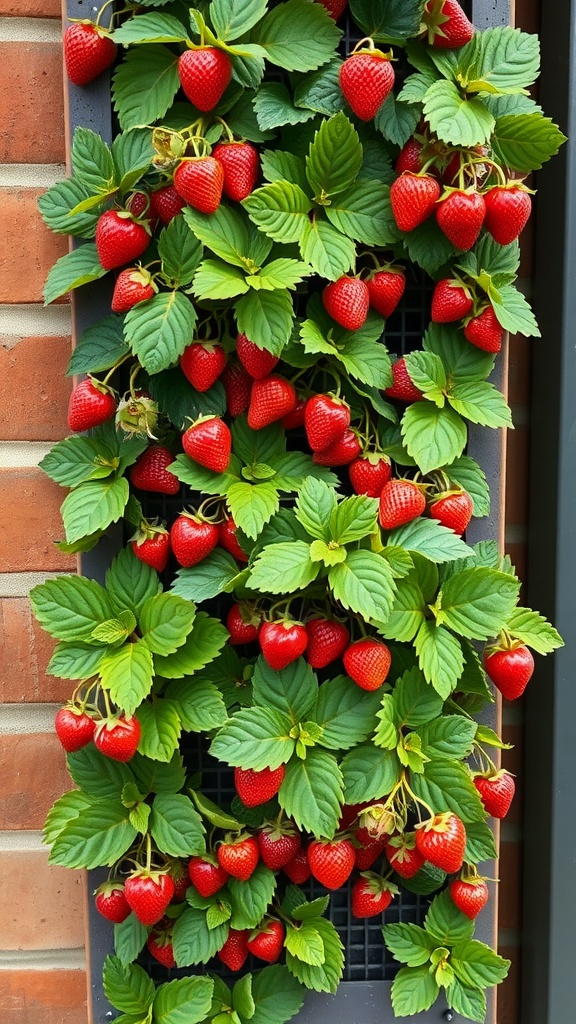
pixel 99 348
pixel 251 898
pixel 266 317
pixel 280 210
pixel 480 845
pixel 386 732
pixel 176 826
pixel 193 941
pixel 430 539
pixel 127 987
pixel 151 27
pixel 77 459
pixel 457 119
pixel 448 736
pixel 397 121
pixel 433 437
pixel 326 249
pixel 369 773
pixel 514 312
pixel 413 991
pixel 320 91
pixel 127 674
pixel 334 159
pixel 477 965
pixel 312 793
pixel 445 923
pixel 387 20
pixel 180 251
pixel 183 1001
pixel 525 141
pixel 203 644
pixel 408 943
pixel 99 835
pixel 207 579
pixel 165 621
pixel 345 717
pixel 255 738
pixel 160 723
pixel 426 371
pixel 315 503
pixel 70 607
pixel 283 568
pixel 56 205
pixel 297 37
pixel 96 775
pixel 129 938
pixel 305 944
pixel 130 582
pixel 252 505
pixel 198 703
pixel 414 701
pixel 468 1001
pixel 324 978
pixel 364 584
pixel 144 85
pixel 292 691
pixel 274 107
pixel 67 807
pixel 277 995
pixel 72 271
pixel 159 329
pixel 158 777
pixel 501 59
pixel 447 785
pixel 481 403
pixel 533 630
pixel 476 602
pixel 428 246
pixel 224 232
pixel 466 472
pixel 440 657
pixel 407 613
pixel 93 506
pixel 75 660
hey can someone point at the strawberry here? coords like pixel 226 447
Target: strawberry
pixel 74 728
pixel 118 738
pixel 237 387
pixel 327 641
pixel 137 413
pixel 192 539
pixel 442 841
pixel 507 212
pixel 139 204
pixel 341 452
pixel 151 544
pixel 110 901
pixel 367 662
pixel 331 863
pixel 255 788
pixel 369 473
pixel 234 952
pixel 278 845
pixel 335 8
pixel 403 856
pixel 204 73
pixel 413 198
pixel 209 443
pixel 178 871
pixel 368 851
pixel 119 239
pixel 386 288
pixel 410 157
pixel 402 388
pixel 88 51
pixel 366 79
pixel 451 300
pixel 401 501
pixel 200 181
pixel 239 856
pixel 165 204
pixel 267 942
pixel 469 897
pixel 446 24
pixel 258 362
pixel 202 363
pixel 510 670
pixel 159 944
pixel 298 869
pixel 150 472
pixel 270 400
pixel 371 894
pixel 243 624
pixel 496 790
pixel 148 893
pixel 460 217
pixel 484 331
pixel 132 286
pixel 206 875
pixel 347 301
pixel 241 164
pixel 295 419
pixel 281 642
pixel 453 509
pixel 227 539
pixel 326 418
pixel 91 403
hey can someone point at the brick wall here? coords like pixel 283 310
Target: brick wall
pixel 42 956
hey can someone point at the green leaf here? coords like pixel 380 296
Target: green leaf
pixel 468 1001
pixel 242 999
pixel 480 843
pixel 320 91
pixel 369 773
pixel 448 736
pixel 315 503
pixel 363 212
pixel 335 158
pixel 477 965
pixel 193 941
pixel 514 313
pixel 266 318
pixel 305 943
pixel 207 579
pixel 159 329
pixel 447 785
pixel 92 162
pixel 158 777
pixel 297 36
pixel 255 738
pixel 152 27
pixel 283 568
pixel 183 1001
pixel 99 835
pixel 476 602
pixel 324 978
pixel 130 582
pixel 430 539
pixel 427 372
pixel 127 673
pixel 56 205
pixel 217 280
pixel 198 703
pixel 180 401
pixel 440 657
pixel 252 505
pixel 533 630
pixel 345 717
pixel 292 691
pixel 70 607
pixel 503 59
pixel 132 153
pixel 428 246
pixel 281 273
pixel 251 898
pixel 180 251
pixel 75 660
pixel 99 348
pixel 280 210
pixel 176 826
pixel 225 233
pixel 97 775
pixel 277 995
pixel 433 437
pixel 445 923
pixel 75 460
pixel 231 20
pixel 67 807
pixel 397 121
pixel 312 793
pixel 414 701
pixel 202 646
pixel 481 403
pixel 72 271
pixel 524 142
pixel 408 943
pixel 364 584
pixel 165 621
pixel 127 986
pixel 466 472
pixel 129 938
pixel 144 85
pixel 160 724
pixel 93 506
pixel 114 630
pixel 407 613
pixel 326 249
pixel 413 991
pixel 457 119
pixel 274 107
pixel 386 20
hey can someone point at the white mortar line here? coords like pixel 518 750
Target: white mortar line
pixel 31 175
pixel 19 584
pixel 30 30
pixel 35 320
pixel 16 454
pixel 42 959
pixel 22 841
pixel 27 719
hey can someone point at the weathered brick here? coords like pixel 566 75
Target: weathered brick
pixel 31 103
pixel 28 249
pixel 24 759
pixel 49 910
pixel 43 997
pixel 30 8
pixel 24 655
pixel 34 368
pixel 31 504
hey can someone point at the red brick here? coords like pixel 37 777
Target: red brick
pixel 34 368
pixel 43 997
pixel 30 8
pixel 23 760
pixel 31 504
pixel 49 910
pixel 24 655
pixel 31 103
pixel 28 249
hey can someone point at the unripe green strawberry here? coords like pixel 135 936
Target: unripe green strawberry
pixel 204 73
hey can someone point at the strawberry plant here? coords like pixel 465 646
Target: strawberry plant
pixel 268 202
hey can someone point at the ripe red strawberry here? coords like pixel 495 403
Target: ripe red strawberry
pixel 119 239
pixel 401 501
pixel 510 670
pixel 347 301
pixel 369 850
pixel 278 845
pixel 446 24
pixel 91 403
pixel 165 204
pixel 451 300
pixel 227 539
pixel 469 897
pixel 110 901
pixel 386 288
pixel 241 164
pixel 403 856
pixel 413 198
pixel 341 452
pixel 327 641
pixel 496 790
pixel 402 388
pixel 326 418
pixel 453 509
pixel 206 875
pixel 371 894
pixel 148 893
pixel 331 863
pixel 281 642
pixel 484 331
pixel 335 8
pixel 150 471
pixel 295 419
pixel 369 473
pixel 368 662
pixel 255 788
pixel 460 217
pixel 118 738
pixel 132 286
pixel 200 181
pixel 507 212
pixel 209 442
pixel 178 871
pixel 139 204
pixel 239 857
pixel 243 624
pixel 237 386
pixel 192 539
pixel 270 400
pixel 442 841
pixel 88 51
pixel 202 363
pixel 159 944
pixel 298 869
pixel 410 157
pixel 267 942
pixel 151 544
pixel 204 74
pixel 234 952
pixel 366 79
pixel 256 361
pixel 74 728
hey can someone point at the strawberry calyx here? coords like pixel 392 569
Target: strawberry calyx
pixel 505 642
pixel 148 531
pixel 368 47
pixel 438 823
pixel 140 219
pixel 377 884
pixel 493 774
pixel 98 29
